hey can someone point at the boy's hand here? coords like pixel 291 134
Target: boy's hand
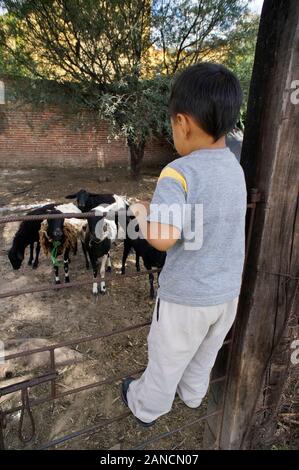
pixel 160 236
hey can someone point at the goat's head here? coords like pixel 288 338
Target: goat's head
pixel 15 257
pixel 55 230
pixel 82 198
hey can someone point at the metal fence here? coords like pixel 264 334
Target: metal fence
pixel 52 374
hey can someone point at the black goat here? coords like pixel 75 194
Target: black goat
pixel 58 237
pixel 101 231
pixel 27 234
pixel 87 201
pixel 152 258
pixel 96 243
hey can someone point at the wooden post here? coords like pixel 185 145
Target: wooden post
pixel 270 161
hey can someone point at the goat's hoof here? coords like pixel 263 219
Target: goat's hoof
pixel 57 282
pixel 29 263
pixel 95 289
pixel 137 268
pixel 34 266
pixel 103 288
pixel 67 280
pixel 108 269
pixel 123 271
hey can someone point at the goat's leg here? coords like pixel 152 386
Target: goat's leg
pixel 109 265
pixel 127 248
pixel 148 267
pixel 93 261
pixel 66 266
pixel 56 271
pixel 102 272
pixel 37 251
pixel 85 254
pixel 151 281
pixel 31 254
pixel 137 263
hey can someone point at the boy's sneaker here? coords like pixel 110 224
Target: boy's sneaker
pixel 124 391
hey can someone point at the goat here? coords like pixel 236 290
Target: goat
pixel 27 234
pixel 151 256
pixel 98 246
pixel 97 239
pixel 87 201
pixel 59 237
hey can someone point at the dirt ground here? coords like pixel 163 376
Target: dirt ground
pixel 55 316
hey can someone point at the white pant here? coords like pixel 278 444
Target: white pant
pixel 183 343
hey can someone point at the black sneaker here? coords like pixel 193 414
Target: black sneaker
pixel 124 390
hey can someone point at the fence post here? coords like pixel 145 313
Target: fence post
pixel 270 161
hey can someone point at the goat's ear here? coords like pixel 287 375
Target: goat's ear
pixel 71 196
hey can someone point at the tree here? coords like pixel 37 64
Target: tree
pixel 107 47
pixel 240 51
pixel 188 30
pixel 9 63
pixel 138 115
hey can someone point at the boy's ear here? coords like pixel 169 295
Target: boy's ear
pixel 183 121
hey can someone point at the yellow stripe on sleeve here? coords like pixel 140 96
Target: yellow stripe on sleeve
pixel 169 172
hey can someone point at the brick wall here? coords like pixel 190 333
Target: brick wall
pixel 54 138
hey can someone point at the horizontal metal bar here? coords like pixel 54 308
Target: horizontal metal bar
pixel 79 341
pixel 28 383
pixel 89 430
pixel 72 391
pixel 170 433
pixel 90 386
pixel 74 341
pixel 104 423
pixel 82 281
pixel 67 215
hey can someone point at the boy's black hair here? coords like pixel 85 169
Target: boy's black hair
pixel 211 94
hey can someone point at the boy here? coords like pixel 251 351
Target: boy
pixel 200 282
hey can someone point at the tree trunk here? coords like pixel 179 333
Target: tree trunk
pixel 261 350
pixel 136 157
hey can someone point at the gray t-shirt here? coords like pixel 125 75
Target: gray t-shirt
pixel 209 271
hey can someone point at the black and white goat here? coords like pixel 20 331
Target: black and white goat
pixel 27 235
pixel 152 258
pixel 87 201
pixel 58 237
pixel 98 238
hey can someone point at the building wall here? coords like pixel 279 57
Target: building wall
pixel 52 137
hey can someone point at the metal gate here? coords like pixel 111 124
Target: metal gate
pixel 52 374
